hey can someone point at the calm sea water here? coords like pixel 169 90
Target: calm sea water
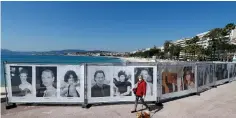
pixel 54 59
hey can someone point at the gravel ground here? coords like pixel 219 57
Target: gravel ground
pixel 218 102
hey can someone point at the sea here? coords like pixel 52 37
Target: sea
pixel 60 59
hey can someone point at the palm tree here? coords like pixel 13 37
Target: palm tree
pixel 167 45
pixel 194 46
pixel 188 51
pixel 225 46
pixel 191 46
pixel 177 50
pixel 228 28
pixel 216 40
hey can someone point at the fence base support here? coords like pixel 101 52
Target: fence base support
pixel 86 106
pixel 198 93
pixel 214 86
pixel 10 105
pixel 158 104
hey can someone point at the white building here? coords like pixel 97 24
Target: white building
pixel 233 37
pixel 161 48
pixel 181 42
pixel 204 41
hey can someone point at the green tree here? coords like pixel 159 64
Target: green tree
pixel 216 42
pixel 191 47
pixel 175 50
pixel 228 28
pixel 167 45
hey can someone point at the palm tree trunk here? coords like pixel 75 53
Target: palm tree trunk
pixel 214 54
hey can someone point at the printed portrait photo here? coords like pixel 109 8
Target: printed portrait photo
pixel 46 81
pixel 225 71
pixel 188 80
pixel 231 69
pixel 147 74
pixel 169 82
pixel 21 81
pixel 234 71
pixel 200 76
pixel 70 84
pixel 122 82
pixel 221 71
pixel 211 72
pixel 100 83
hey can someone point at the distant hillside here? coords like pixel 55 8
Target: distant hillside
pixel 99 51
pixel 56 52
pixel 60 52
pixel 9 52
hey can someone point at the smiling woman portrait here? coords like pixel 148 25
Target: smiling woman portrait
pixel 69 90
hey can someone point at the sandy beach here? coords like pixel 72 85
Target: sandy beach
pixel 137 59
pixel 215 103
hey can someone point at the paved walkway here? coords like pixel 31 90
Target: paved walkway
pixel 218 102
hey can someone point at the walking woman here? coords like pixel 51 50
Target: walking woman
pixel 140 93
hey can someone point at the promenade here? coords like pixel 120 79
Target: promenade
pixel 218 102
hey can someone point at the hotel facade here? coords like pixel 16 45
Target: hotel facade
pixel 204 42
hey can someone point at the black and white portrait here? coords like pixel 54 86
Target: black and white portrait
pixel 100 84
pixel 225 71
pixel 206 75
pixel 46 81
pixel 234 71
pixel 147 74
pixel 231 71
pixel 211 71
pixel 122 82
pixel 219 72
pixel 200 76
pixel 21 81
pixel 70 84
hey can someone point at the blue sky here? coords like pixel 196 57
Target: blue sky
pixel 115 26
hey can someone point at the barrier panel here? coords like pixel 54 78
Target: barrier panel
pixel 232 71
pixel 114 83
pixel 44 83
pixel 177 79
pixel 110 82
pixel 205 76
pixel 221 72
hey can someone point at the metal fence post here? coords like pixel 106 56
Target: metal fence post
pixel 196 78
pixel 85 104
pixel 4 72
pixel 8 105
